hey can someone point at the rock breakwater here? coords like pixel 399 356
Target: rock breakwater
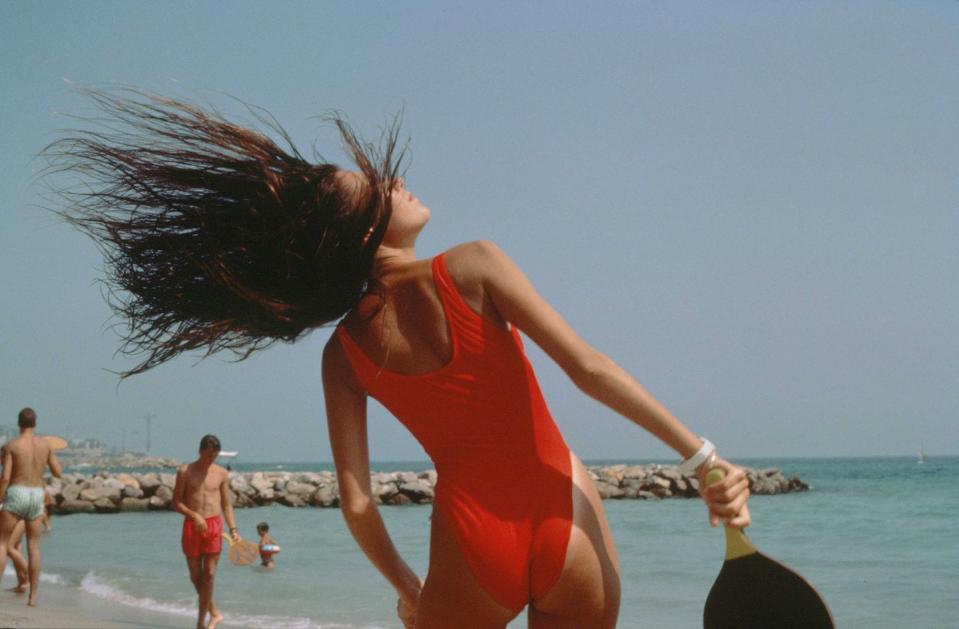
pixel 83 459
pixel 152 491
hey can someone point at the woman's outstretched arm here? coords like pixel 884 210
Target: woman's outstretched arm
pixel 346 420
pixel 597 375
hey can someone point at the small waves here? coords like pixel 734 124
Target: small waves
pixel 103 589
pixel 92 584
pixel 45 577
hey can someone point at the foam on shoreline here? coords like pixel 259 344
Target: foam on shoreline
pixel 96 602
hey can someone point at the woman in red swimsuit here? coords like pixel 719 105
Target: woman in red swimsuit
pixel 220 239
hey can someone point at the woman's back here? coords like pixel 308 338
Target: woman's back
pixel 504 468
pixel 403 327
pixel 457 379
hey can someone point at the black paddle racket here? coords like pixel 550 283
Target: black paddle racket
pixel 753 591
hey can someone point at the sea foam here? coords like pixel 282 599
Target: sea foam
pixel 45 577
pixel 102 588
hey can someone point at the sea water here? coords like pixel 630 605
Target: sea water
pixel 878 537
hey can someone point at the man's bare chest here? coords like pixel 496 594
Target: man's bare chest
pixel 203 483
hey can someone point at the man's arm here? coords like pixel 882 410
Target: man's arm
pixel 7 472
pixel 179 489
pixel 227 506
pixel 54 464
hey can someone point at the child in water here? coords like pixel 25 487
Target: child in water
pixel 268 545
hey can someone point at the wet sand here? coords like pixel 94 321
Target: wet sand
pixel 67 607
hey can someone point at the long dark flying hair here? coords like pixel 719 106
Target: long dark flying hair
pixel 214 236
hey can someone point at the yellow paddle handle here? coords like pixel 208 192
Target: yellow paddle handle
pixel 737 545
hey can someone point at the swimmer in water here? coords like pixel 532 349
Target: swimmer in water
pixel 268 545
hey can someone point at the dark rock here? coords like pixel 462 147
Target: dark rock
pixel 76 506
pixel 680 486
pixel 299 489
pixel 239 485
pixel 382 491
pixel 291 500
pixel 405 477
pixel 672 473
pixel 326 496
pixel 149 483
pixel 94 494
pixel 242 501
pixel 70 492
pixel 400 499
pixel 795 484
pixel 607 490
pixel 417 490
pixel 134 504
pixel 105 505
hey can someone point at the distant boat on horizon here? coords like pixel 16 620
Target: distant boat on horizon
pixel 922 456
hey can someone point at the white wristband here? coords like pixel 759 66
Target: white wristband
pixel 689 466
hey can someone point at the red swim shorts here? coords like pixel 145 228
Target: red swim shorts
pixel 195 543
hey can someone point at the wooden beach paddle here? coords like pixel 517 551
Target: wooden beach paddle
pixel 57 443
pixel 753 591
pixel 243 552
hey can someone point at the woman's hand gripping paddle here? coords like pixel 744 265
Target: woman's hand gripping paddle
pixel 753 591
pixel 242 552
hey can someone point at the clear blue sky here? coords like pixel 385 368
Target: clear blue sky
pixel 750 206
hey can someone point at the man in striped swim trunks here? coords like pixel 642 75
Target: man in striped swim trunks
pixel 24 459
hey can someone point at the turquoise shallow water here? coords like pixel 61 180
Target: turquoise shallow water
pixel 879 537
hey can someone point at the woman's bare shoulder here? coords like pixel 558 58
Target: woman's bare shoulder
pixel 336 366
pixel 472 267
pixel 333 355
pixel 472 261
pixel 474 250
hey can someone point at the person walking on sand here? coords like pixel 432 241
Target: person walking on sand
pixel 24 459
pixel 216 238
pixel 202 495
pixel 13 548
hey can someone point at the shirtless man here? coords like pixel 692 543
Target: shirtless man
pixel 202 495
pixel 13 547
pixel 21 485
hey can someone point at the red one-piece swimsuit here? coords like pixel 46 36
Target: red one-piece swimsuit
pixel 504 473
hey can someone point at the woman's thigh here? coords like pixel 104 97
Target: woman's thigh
pixel 451 595
pixel 587 591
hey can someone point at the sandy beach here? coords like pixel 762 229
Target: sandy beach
pixel 68 607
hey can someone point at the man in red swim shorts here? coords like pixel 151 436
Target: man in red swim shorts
pixel 202 495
